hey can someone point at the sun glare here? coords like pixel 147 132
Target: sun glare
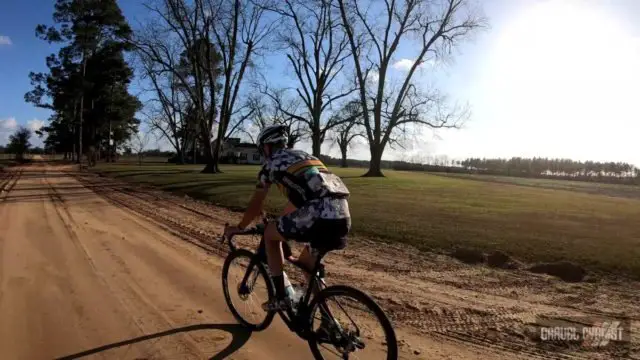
pixel 566 67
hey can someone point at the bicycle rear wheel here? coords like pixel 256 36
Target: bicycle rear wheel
pixel 356 327
pixel 249 295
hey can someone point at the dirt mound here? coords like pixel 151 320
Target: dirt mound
pixel 468 256
pixel 498 259
pixel 564 270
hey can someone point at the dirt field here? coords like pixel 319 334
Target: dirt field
pixel 90 266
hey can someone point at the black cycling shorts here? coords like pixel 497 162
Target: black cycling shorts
pixel 323 223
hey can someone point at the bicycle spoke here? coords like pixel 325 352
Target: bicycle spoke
pixel 247 296
pixel 331 349
pixel 354 331
pixel 346 313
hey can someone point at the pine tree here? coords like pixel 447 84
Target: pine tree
pixel 86 86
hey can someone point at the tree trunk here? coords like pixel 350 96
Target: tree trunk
pixel 316 146
pixel 292 142
pixel 84 70
pixel 344 163
pixel 375 165
pixel 212 157
pixel 316 143
pixel 181 156
pixel 195 145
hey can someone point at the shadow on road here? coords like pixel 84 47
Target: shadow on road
pixel 240 336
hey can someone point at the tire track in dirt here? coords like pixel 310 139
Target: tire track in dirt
pixel 466 313
pixel 454 311
pixel 66 218
pixel 155 307
pixel 9 181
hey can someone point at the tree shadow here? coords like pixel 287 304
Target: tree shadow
pixel 240 336
pixel 123 174
pixel 65 198
pixel 197 186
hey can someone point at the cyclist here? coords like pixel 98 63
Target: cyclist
pixel 317 212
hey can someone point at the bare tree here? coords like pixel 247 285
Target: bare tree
pixel 273 110
pixel 262 116
pixel 346 132
pixel 375 31
pixel 316 48
pixel 215 40
pixel 138 144
pixel 238 30
pixel 181 62
pixel 165 110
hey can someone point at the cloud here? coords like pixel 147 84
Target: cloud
pixel 35 124
pixel 373 77
pixel 8 125
pixel 403 64
pixel 5 40
pixel 406 64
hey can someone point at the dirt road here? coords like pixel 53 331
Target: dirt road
pixel 79 273
pixel 92 268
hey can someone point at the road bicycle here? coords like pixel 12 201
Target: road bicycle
pixel 338 340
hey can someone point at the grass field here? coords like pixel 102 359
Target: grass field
pixel 621 190
pixel 532 223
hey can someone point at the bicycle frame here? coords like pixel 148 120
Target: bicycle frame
pixel 294 321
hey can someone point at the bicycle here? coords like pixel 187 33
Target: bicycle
pixel 300 318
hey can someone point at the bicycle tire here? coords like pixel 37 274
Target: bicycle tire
pixel 227 295
pixel 353 293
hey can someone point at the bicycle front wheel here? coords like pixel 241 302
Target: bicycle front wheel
pixel 352 326
pixel 246 285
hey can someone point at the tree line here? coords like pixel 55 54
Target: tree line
pixel 205 70
pixel 551 167
pixel 565 169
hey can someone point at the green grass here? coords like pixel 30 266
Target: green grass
pixel 620 190
pixel 532 223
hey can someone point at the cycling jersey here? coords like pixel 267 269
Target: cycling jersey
pixel 300 177
pixel 322 216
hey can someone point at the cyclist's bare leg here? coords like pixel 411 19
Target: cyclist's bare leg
pixel 308 260
pixel 273 245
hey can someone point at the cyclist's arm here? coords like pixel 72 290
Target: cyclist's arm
pixel 289 209
pixel 255 207
pixel 265 179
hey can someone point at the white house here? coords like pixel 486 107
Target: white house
pixel 240 153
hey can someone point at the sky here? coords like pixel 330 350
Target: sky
pixel 551 78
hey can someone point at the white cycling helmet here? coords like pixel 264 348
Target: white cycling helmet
pixel 272 134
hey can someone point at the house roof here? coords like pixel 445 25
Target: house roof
pixel 235 143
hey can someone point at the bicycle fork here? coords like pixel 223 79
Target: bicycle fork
pixel 246 286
